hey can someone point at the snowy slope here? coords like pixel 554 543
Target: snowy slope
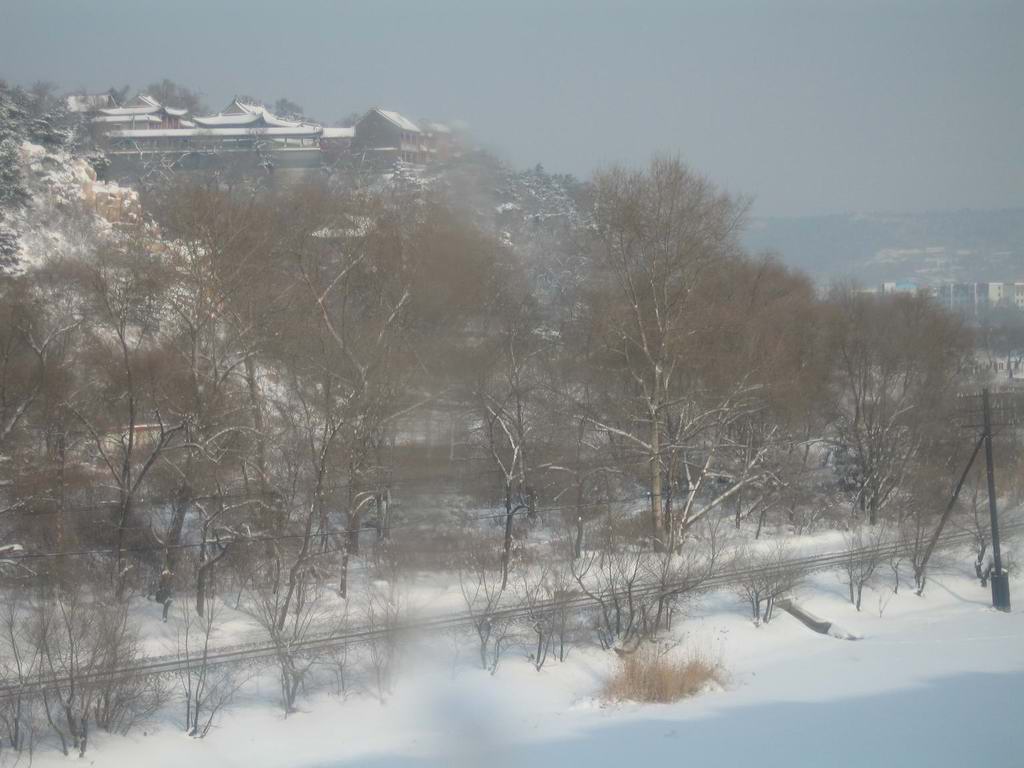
pixel 934 682
pixel 67 208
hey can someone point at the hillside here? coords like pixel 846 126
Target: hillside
pixel 52 205
pixel 927 247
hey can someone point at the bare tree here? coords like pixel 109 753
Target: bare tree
pixel 86 644
pixel 120 702
pixel 537 589
pixel 660 232
pixel 337 657
pixel 357 297
pixel 505 442
pixel 638 591
pixel 38 348
pixel 611 574
pixel 19 714
pixel 763 576
pixel 172 94
pixel 205 688
pixel 480 581
pixel 865 551
pixel 288 603
pixel 700 347
pixel 681 572
pixel 897 359
pixel 506 378
pixel 122 413
pixel 28 344
pixel 65 633
pixel 383 613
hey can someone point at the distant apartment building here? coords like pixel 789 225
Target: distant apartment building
pixel 968 298
pixel 973 298
pixel 996 294
pixel 899 286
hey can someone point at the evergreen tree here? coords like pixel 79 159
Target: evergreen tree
pixel 12 133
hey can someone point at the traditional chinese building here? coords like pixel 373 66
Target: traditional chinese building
pixel 383 137
pixel 142 112
pixel 242 136
pixel 143 135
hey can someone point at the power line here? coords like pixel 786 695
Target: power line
pixel 235 496
pixel 235 654
pixel 294 537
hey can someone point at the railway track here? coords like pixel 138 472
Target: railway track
pixel 255 652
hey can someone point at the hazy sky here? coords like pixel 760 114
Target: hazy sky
pixel 809 107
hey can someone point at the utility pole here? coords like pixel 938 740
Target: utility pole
pixel 1000 579
pixel 919 569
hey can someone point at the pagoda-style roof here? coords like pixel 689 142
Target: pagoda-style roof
pixel 143 105
pixel 239 107
pixel 239 114
pixel 397 119
pixel 253 120
pixel 127 119
pixel 300 131
pixel 114 111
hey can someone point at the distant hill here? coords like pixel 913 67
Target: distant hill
pixel 926 247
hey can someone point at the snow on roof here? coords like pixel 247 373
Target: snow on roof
pixel 279 122
pixel 225 120
pixel 438 128
pixel 141 102
pixel 260 115
pixel 339 133
pixel 185 133
pixel 142 118
pixel 129 110
pixel 238 107
pixel 401 121
pixel 145 105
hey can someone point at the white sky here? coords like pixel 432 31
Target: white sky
pixel 811 107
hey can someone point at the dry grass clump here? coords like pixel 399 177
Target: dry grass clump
pixel 653 675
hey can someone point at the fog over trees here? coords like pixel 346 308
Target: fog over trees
pixel 280 400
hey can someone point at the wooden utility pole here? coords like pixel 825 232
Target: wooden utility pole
pixel 1000 579
pixel 919 569
pixel 1009 407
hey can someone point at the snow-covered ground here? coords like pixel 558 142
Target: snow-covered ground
pixel 935 681
pixel 426 594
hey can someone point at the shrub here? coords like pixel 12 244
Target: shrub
pixel 653 675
